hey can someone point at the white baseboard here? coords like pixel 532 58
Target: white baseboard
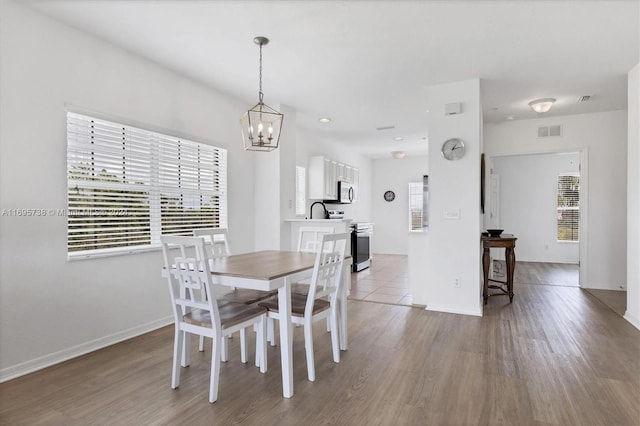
pixel 596 286
pixel 633 320
pixel 48 360
pixel 452 310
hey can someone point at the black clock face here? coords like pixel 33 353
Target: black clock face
pixel 389 196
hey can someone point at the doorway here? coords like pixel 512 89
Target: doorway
pixel 540 199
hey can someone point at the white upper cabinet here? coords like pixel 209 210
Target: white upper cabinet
pixel 324 175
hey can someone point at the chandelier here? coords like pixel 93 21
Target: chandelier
pixel 261 124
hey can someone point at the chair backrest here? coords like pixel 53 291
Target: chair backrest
pixel 190 282
pixel 217 238
pixel 327 271
pixel 309 237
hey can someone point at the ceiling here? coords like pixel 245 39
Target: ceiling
pixel 366 64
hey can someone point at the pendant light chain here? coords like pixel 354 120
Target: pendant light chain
pixel 260 94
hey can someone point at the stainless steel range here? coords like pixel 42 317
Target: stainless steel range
pixel 361 245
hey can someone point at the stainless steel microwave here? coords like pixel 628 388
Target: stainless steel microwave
pixel 345 192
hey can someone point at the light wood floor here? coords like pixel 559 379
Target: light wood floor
pixel 556 356
pixel 385 281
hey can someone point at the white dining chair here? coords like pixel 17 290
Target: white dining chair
pixel 217 241
pixel 197 311
pixel 309 237
pixel 321 301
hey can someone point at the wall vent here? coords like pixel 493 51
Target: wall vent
pixel 585 98
pixel 385 128
pixel 549 131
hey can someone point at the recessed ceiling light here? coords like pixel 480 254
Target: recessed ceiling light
pixel 398 138
pixel 398 155
pixel 511 117
pixel 324 120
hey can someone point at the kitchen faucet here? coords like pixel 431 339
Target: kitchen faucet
pixel 326 213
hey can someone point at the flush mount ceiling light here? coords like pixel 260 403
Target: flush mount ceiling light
pixel 398 155
pixel 261 125
pixel 542 105
pixel 325 120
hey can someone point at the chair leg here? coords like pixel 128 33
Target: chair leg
pixel 224 349
pixel 215 368
pixel 177 353
pixel 308 346
pixel 243 345
pixel 261 343
pixel 335 343
pixel 271 331
pixel 186 349
pixel 201 344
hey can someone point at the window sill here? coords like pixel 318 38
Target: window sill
pixel 88 256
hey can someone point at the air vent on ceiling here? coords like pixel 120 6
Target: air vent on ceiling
pixel 385 128
pixel 585 98
pixel 549 131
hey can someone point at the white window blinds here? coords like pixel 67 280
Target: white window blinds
pixel 568 205
pixel 301 191
pixel 415 205
pixel 127 186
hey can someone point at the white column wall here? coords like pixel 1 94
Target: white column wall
pixel 633 200
pixel 52 309
pixel 451 248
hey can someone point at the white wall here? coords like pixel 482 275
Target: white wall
pixel 633 200
pixel 52 309
pixel 603 136
pixel 451 248
pixel 391 234
pixel 527 204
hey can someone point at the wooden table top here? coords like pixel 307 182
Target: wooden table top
pixel 501 237
pixel 263 265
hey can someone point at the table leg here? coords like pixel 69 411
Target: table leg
pixel 286 338
pixel 510 255
pixel 486 258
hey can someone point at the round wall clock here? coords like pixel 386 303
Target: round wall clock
pixel 453 149
pixel 389 196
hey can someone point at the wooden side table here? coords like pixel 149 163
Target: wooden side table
pixel 508 242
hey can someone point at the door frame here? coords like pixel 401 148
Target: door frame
pixel 584 198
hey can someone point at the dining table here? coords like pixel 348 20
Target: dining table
pixel 269 270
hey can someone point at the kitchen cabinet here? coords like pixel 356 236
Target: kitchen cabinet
pixel 324 174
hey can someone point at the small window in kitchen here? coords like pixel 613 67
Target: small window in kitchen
pixel 418 198
pixel 568 207
pixel 301 191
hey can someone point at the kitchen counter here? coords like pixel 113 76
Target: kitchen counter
pixel 319 220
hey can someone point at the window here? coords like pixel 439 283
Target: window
pixel 127 186
pixel 301 191
pixel 418 197
pixel 568 204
